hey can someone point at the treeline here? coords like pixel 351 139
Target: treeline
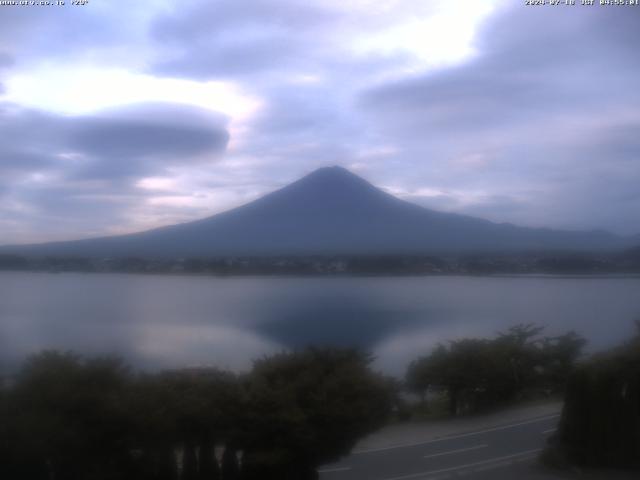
pixel 279 265
pixel 72 418
pixel 480 264
pixel 479 374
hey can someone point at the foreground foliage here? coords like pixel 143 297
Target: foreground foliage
pixel 66 417
pixel 600 424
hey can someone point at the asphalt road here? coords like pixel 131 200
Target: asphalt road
pixel 499 451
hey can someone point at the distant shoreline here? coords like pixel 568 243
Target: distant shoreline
pixel 556 276
pixel 401 265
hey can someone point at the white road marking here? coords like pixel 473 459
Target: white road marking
pixel 459 450
pixel 551 430
pixel 337 469
pixel 468 465
pixel 493 466
pixel 453 437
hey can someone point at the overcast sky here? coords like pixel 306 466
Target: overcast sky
pixel 120 116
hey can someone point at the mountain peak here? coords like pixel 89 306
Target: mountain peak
pixel 331 170
pixel 334 177
pixel 332 186
pixel 334 173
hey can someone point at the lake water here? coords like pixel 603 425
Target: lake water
pixel 171 321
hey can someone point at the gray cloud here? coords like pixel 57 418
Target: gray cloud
pixel 132 143
pixel 121 148
pixel 30 34
pixel 28 139
pixel 271 41
pixel 131 139
pixel 80 173
pixel 205 18
pixel 532 65
pixel 229 38
pixel 146 137
pixel 544 114
pixel 5 60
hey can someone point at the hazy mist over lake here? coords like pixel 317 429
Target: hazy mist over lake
pixel 172 321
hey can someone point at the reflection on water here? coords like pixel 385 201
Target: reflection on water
pixel 162 321
pixel 340 319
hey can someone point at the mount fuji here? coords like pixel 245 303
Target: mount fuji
pixel 330 211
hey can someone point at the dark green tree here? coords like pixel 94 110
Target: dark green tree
pixel 428 372
pixel 188 410
pixel 600 424
pixel 559 356
pixel 476 374
pixel 308 408
pixel 68 419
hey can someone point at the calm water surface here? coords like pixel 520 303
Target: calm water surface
pixel 169 321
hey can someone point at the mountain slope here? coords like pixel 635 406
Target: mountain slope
pixel 330 211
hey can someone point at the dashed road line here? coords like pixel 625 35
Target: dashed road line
pixel 459 450
pixel 454 437
pixel 498 461
pixel 333 470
